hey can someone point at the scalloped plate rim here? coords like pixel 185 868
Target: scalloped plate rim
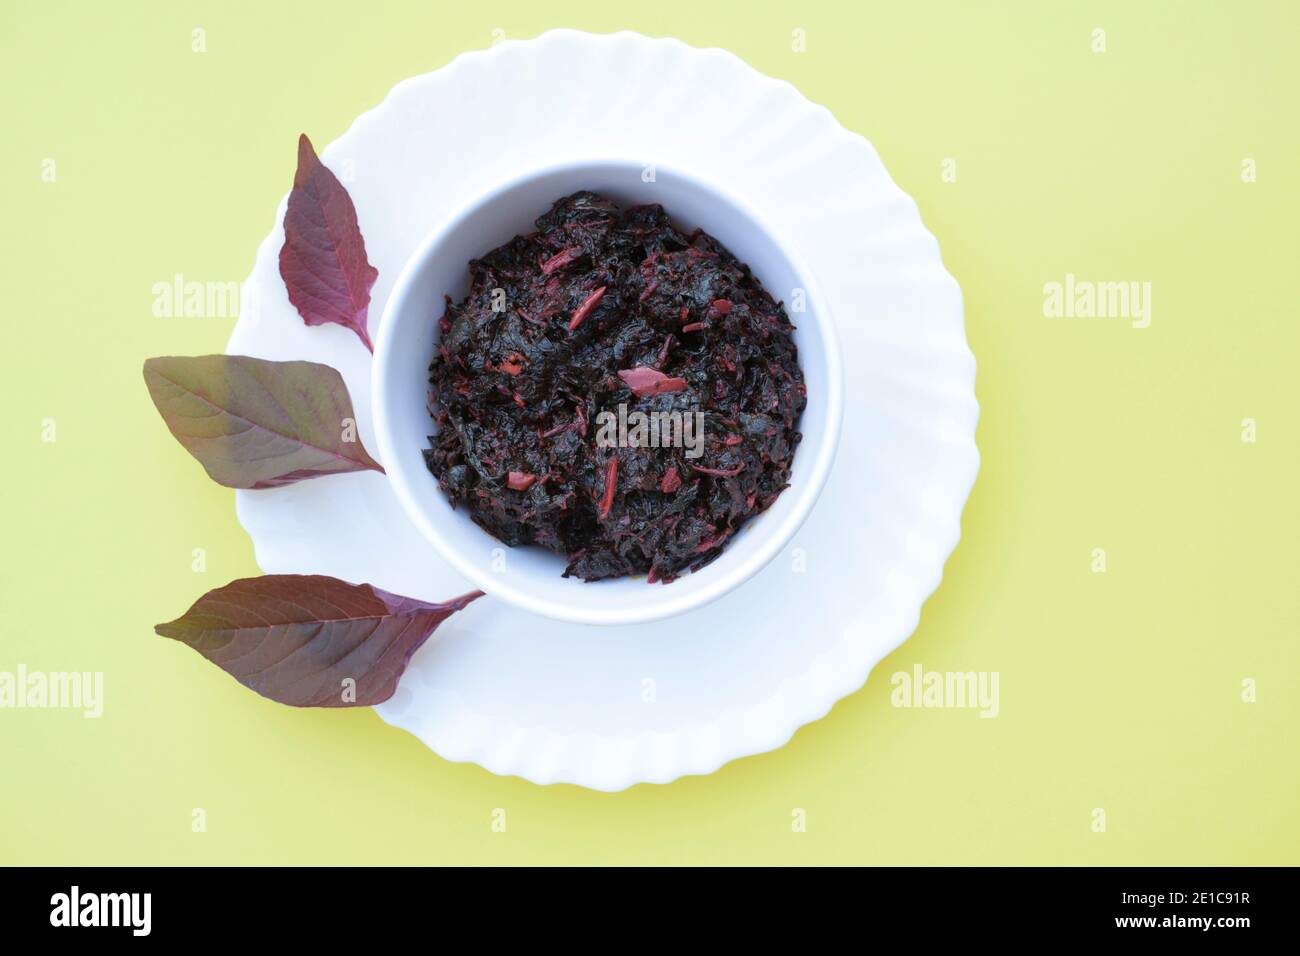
pixel 803 708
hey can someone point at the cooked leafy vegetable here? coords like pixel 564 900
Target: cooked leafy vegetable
pixel 600 312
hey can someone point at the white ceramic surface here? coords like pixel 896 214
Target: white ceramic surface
pixel 532 578
pixel 608 707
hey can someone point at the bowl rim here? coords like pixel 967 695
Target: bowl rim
pixel 775 537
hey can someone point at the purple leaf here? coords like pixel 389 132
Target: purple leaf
pixel 323 260
pixel 310 640
pixel 252 423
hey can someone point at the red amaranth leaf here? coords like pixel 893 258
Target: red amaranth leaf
pixel 611 485
pixel 560 259
pixel 253 423
pixel 520 480
pixel 323 260
pixel 645 381
pixel 310 640
pixel 586 308
pixel 721 472
pixel 708 544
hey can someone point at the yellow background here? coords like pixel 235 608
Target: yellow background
pixel 1119 690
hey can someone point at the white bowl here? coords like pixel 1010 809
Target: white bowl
pixel 530 577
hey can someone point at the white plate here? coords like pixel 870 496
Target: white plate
pixel 610 707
